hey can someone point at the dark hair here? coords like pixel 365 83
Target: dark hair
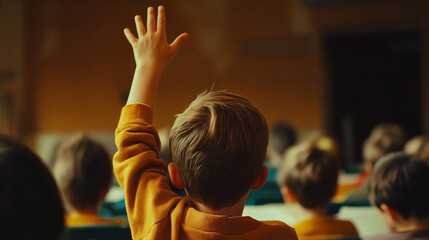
pixel 384 138
pixel 401 182
pixel 282 136
pixel 83 171
pixel 30 204
pixel 311 174
pixel 218 145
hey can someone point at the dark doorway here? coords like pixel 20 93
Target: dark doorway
pixel 371 78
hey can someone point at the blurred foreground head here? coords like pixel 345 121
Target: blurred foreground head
pixel 30 204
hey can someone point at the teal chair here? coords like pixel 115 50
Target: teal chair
pixel 269 193
pixel 103 232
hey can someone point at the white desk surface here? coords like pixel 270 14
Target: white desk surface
pixel 366 219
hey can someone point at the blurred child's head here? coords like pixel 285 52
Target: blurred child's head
pixel 83 171
pixel 384 138
pixel 308 175
pixel 218 146
pixel 165 151
pixel 30 204
pixel 399 188
pixel 418 147
pixel 281 137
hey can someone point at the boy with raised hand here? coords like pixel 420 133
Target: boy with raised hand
pixel 398 187
pixel 218 145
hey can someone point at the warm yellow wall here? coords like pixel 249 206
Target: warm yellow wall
pixel 78 64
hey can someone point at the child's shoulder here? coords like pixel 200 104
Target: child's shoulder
pixel 326 226
pixel 277 229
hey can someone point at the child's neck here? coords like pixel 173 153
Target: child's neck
pixel 307 213
pixel 234 210
pixel 412 224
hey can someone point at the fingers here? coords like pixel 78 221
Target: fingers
pixel 140 26
pixel 178 42
pixel 151 27
pixel 130 36
pixel 161 20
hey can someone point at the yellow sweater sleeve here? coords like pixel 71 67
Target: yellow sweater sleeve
pixel 140 172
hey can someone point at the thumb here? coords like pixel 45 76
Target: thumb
pixel 178 42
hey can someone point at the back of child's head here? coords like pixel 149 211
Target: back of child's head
pixel 282 136
pixel 384 138
pixel 310 174
pixel 218 146
pixel 401 182
pixel 83 170
pixel 30 204
pixel 418 147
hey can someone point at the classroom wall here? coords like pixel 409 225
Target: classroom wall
pixel 11 65
pixel 79 66
pixel 381 16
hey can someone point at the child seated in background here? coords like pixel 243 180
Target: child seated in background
pixel 282 136
pixel 309 177
pixel 218 146
pixel 83 171
pixel 384 138
pixel 30 205
pixel 398 187
pixel 419 148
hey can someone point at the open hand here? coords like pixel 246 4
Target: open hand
pixel 151 48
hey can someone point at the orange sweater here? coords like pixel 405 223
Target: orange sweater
pixel 154 211
pixel 325 228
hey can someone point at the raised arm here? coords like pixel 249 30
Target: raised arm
pixel 137 166
pixel 152 53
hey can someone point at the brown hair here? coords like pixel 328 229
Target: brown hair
pixel 83 171
pixel 384 138
pixel 218 145
pixel 310 173
pixel 418 147
pixel 400 181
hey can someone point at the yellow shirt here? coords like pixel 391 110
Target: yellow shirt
pixel 91 219
pixel 325 228
pixel 154 211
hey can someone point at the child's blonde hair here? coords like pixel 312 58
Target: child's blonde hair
pixel 418 147
pixel 218 146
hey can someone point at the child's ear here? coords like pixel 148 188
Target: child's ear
pixel 262 178
pixel 287 194
pixel 390 212
pixel 174 176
